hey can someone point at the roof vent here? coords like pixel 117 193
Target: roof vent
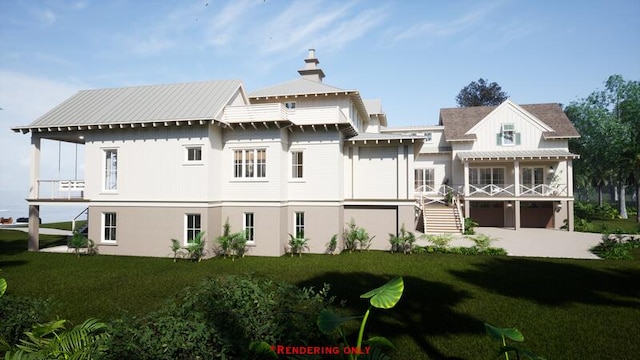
pixel 311 70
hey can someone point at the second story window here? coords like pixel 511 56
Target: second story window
pixel 194 153
pixel 111 170
pixel 428 137
pixel 508 135
pixel 250 163
pixel 290 105
pixel 296 165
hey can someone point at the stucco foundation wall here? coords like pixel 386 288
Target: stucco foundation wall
pixel 378 221
pixel 321 223
pixel 148 230
pixel 267 234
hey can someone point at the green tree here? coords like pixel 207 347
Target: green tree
pixel 481 93
pixel 609 122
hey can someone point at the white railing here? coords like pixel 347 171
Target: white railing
pixel 317 115
pixel 73 222
pixel 543 190
pixel 460 215
pixel 60 189
pixel 254 113
pixel 433 194
pixel 491 190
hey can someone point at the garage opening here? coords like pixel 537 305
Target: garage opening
pixel 487 213
pixel 536 214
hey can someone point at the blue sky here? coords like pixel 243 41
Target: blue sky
pixel 414 55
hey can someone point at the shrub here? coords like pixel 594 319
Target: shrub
pixel 196 246
pixel 231 244
pixel 297 244
pixel 592 211
pixel 20 314
pixel 482 242
pixel 403 241
pixel 332 245
pixel 469 226
pixel 220 318
pixel 356 237
pixel 615 247
pixel 440 241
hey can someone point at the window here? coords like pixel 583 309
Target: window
pixel 532 176
pixel 111 169
pixel 296 164
pixel 428 137
pixel 486 176
pixel 250 163
pixel 194 153
pixel 424 180
pixel 298 228
pixel 508 135
pixel 290 105
pixel 249 227
pixel 193 227
pixel 109 226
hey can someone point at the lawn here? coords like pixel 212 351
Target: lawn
pixel 567 309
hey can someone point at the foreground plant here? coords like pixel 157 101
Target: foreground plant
pixel 298 244
pixel 403 241
pixel 196 247
pixel 356 237
pixel 231 244
pixel 513 334
pixel 79 241
pixel 384 297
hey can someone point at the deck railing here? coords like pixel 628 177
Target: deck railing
pixel 543 190
pixel 60 189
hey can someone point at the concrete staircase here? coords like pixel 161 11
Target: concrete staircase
pixel 439 219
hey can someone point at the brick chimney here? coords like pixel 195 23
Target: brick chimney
pixel 311 70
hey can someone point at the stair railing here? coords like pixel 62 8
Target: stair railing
pixel 73 222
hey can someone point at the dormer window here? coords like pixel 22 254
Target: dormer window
pixel 290 105
pixel 508 135
pixel 428 137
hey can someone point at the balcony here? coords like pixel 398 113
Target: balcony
pixel 260 113
pixel 524 190
pixel 60 190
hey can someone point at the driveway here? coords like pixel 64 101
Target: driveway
pixel 539 242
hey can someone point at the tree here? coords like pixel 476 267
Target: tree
pixel 609 122
pixel 481 93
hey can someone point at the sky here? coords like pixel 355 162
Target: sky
pixel 415 56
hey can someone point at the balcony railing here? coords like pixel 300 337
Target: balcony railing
pixel 60 189
pixel 269 112
pixel 437 193
pixel 491 190
pixel 543 190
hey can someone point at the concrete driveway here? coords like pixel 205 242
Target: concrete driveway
pixel 539 242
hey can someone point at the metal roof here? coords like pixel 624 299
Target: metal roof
pixel 299 86
pixel 140 104
pixel 384 137
pixel 542 154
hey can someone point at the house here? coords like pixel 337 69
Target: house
pixel 301 157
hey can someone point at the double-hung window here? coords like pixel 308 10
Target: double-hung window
pixel 192 227
pixel 486 176
pixel 109 227
pixel 250 163
pixel 508 135
pixel 249 227
pixel 298 224
pixel 110 169
pixel 532 176
pixel 296 165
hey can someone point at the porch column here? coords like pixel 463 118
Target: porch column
pixel 570 179
pixel 34 210
pixel 34 228
pixel 467 208
pixel 570 215
pixel 34 167
pixel 466 178
pixel 354 171
pixel 516 178
pixel 516 208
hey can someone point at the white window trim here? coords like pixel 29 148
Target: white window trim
pixel 104 169
pixel 295 223
pixel 186 227
pixel 296 179
pixel 428 138
pixel 244 226
pixel 104 226
pixel 477 168
pixel 244 164
pixel 186 160
pixel 502 132
pixel 422 169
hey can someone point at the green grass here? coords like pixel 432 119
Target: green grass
pixel 567 309
pixel 628 226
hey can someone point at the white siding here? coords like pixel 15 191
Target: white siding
pixel 151 164
pixel 375 173
pixel 322 166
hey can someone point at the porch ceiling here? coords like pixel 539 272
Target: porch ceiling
pixel 543 154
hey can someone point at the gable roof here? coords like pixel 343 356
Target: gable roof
pixel 458 121
pixel 139 105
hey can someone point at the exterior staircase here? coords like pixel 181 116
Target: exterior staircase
pixel 439 218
